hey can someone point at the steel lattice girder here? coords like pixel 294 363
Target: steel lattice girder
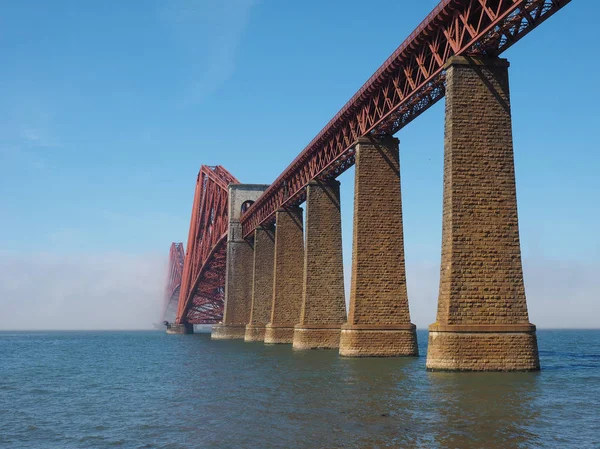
pixel 408 83
pixel 176 258
pixel 203 280
pixel 206 306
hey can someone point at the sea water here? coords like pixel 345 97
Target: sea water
pixel 152 390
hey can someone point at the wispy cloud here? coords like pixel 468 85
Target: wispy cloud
pixel 84 291
pixel 26 134
pixel 124 291
pixel 36 136
pixel 210 32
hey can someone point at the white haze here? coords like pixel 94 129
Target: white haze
pixel 102 291
pixel 560 294
pixel 121 291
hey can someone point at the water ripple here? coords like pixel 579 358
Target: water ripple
pixel 150 390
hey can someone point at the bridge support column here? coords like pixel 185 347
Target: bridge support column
pixel 378 319
pixel 287 278
pixel 238 275
pixel 262 285
pixel 184 328
pixel 482 320
pixel 323 303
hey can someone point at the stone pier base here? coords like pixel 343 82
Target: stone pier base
pixel 227 332
pixel 278 334
pixel 184 328
pixel 316 337
pixel 254 332
pixel 482 348
pixel 378 341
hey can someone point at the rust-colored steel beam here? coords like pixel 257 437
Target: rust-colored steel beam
pixel 175 271
pixel 203 281
pixel 408 83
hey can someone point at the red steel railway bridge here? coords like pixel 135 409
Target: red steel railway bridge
pixel 260 270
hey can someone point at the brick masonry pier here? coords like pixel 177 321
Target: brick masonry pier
pixel 482 321
pixel 184 328
pixel 262 284
pixel 288 274
pixel 378 319
pixel 238 275
pixel 323 302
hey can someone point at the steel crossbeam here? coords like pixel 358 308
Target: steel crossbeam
pixel 408 83
pixel 203 280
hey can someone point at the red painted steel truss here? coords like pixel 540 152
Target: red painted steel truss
pixel 176 257
pixel 203 282
pixel 409 82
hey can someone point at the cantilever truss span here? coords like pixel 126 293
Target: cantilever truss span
pixel 203 282
pixel 176 257
pixel 409 82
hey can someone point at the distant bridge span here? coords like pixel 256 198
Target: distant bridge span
pixel 176 258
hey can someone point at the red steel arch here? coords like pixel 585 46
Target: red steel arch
pixel 407 84
pixel 203 282
pixel 175 272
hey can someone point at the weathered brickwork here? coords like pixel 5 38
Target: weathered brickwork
pixel 483 351
pixel 481 281
pixel 238 287
pixel 378 294
pixel 378 343
pixel 254 333
pixel 315 337
pixel 183 328
pixel 262 285
pixel 239 266
pixel 227 332
pixel 323 302
pixel 287 278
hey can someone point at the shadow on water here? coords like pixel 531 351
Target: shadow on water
pixel 317 399
pixel 492 410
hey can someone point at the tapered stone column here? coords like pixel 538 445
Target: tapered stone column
pixel 482 321
pixel 240 261
pixel 287 279
pixel 378 319
pixel 262 285
pixel 323 302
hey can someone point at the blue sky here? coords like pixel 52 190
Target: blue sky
pixel 108 109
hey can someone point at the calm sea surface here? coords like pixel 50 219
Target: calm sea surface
pixel 152 390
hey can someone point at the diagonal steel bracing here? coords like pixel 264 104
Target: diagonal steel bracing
pixel 203 280
pixel 408 83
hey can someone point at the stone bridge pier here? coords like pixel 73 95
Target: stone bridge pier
pixel 323 303
pixel 287 276
pixel 378 319
pixel 239 266
pixel 482 321
pixel 262 283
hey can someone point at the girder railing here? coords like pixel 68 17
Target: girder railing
pixel 408 83
pixel 203 280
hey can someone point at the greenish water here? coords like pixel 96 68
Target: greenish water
pixel 152 390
